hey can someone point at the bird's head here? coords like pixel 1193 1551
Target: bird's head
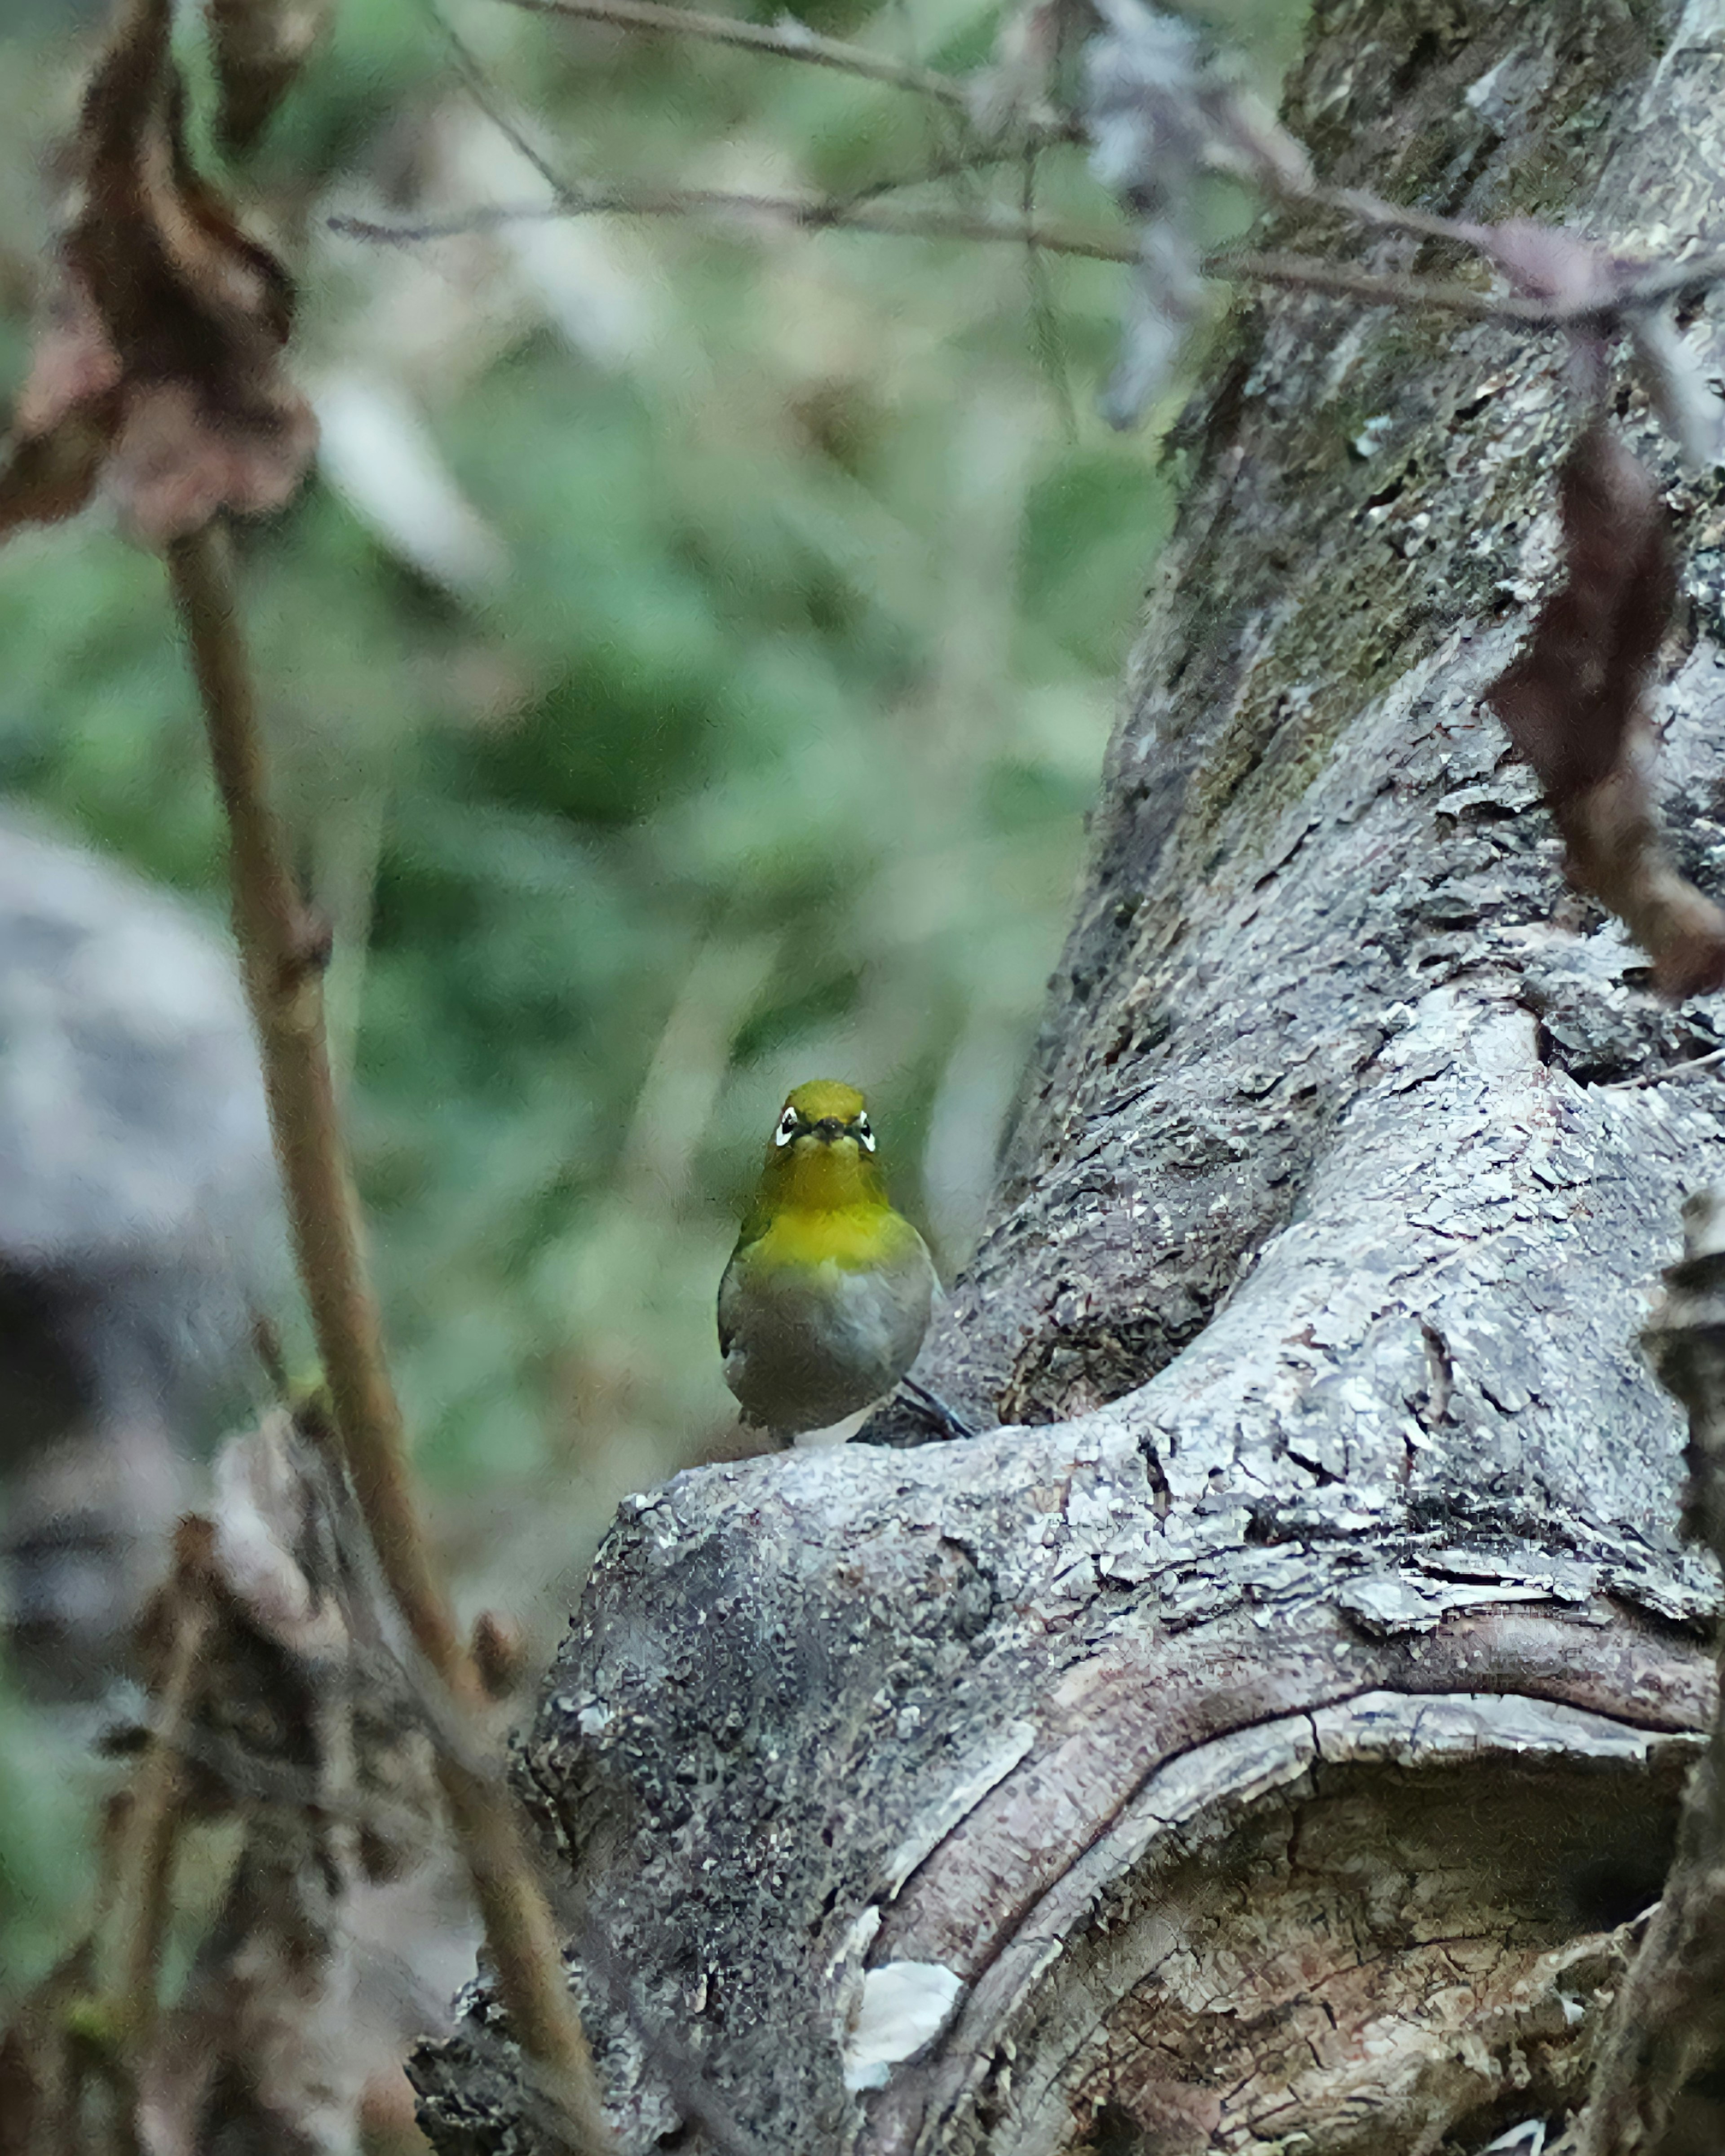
pixel 823 1149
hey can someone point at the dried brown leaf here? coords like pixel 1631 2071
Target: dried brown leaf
pixel 499 1649
pixel 49 477
pixel 66 417
pixel 308 1724
pixel 157 376
pixel 273 1695
pixel 72 369
pixel 1573 705
pixel 1616 851
pixel 1568 700
pixel 260 46
pixel 259 2053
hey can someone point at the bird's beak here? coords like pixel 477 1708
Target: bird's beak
pixel 828 1130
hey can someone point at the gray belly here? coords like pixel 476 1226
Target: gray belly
pixel 809 1349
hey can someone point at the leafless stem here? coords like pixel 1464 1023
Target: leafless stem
pixel 1360 205
pixel 1658 282
pixel 485 96
pixel 149 1825
pixel 958 165
pixel 1668 2019
pixel 813 212
pixel 795 44
pixel 283 951
pixel 1707 1062
pixel 863 213
pixel 1307 272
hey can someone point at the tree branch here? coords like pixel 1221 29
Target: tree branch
pixel 792 44
pixel 1305 273
pixel 149 1825
pixel 812 212
pixel 283 952
pixel 1657 1077
pixel 486 96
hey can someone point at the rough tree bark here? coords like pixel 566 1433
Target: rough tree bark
pixel 1263 1742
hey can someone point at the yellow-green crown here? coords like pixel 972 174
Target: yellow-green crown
pixel 825 1100
pixel 820 1160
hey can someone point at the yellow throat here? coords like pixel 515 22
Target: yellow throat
pixel 822 1196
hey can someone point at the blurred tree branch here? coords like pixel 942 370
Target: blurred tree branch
pixel 791 42
pixel 814 212
pixel 283 951
pixel 1653 282
pixel 151 1815
pixel 1156 115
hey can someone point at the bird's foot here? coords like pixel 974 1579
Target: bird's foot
pixel 946 1419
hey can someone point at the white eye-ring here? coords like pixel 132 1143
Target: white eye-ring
pixel 866 1132
pixel 787 1128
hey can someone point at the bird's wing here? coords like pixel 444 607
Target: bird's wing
pixel 728 1291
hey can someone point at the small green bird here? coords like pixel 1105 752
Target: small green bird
pixel 827 1296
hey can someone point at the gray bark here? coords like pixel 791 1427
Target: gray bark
pixel 1260 1741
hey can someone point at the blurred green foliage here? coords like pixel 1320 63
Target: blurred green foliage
pixel 725 715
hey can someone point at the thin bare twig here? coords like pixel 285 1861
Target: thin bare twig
pixel 1670 1070
pixel 135 1918
pixel 1659 282
pixel 1308 273
pixel 1666 280
pixel 1045 128
pixel 860 214
pixel 957 165
pixel 283 951
pixel 811 213
pixel 1365 208
pixel 793 45
pixel 1045 318
pixel 486 95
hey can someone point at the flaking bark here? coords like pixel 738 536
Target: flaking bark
pixel 1263 1741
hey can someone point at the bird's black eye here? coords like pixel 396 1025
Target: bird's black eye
pixel 865 1131
pixel 787 1128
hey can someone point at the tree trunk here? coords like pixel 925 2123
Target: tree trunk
pixel 1258 1744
